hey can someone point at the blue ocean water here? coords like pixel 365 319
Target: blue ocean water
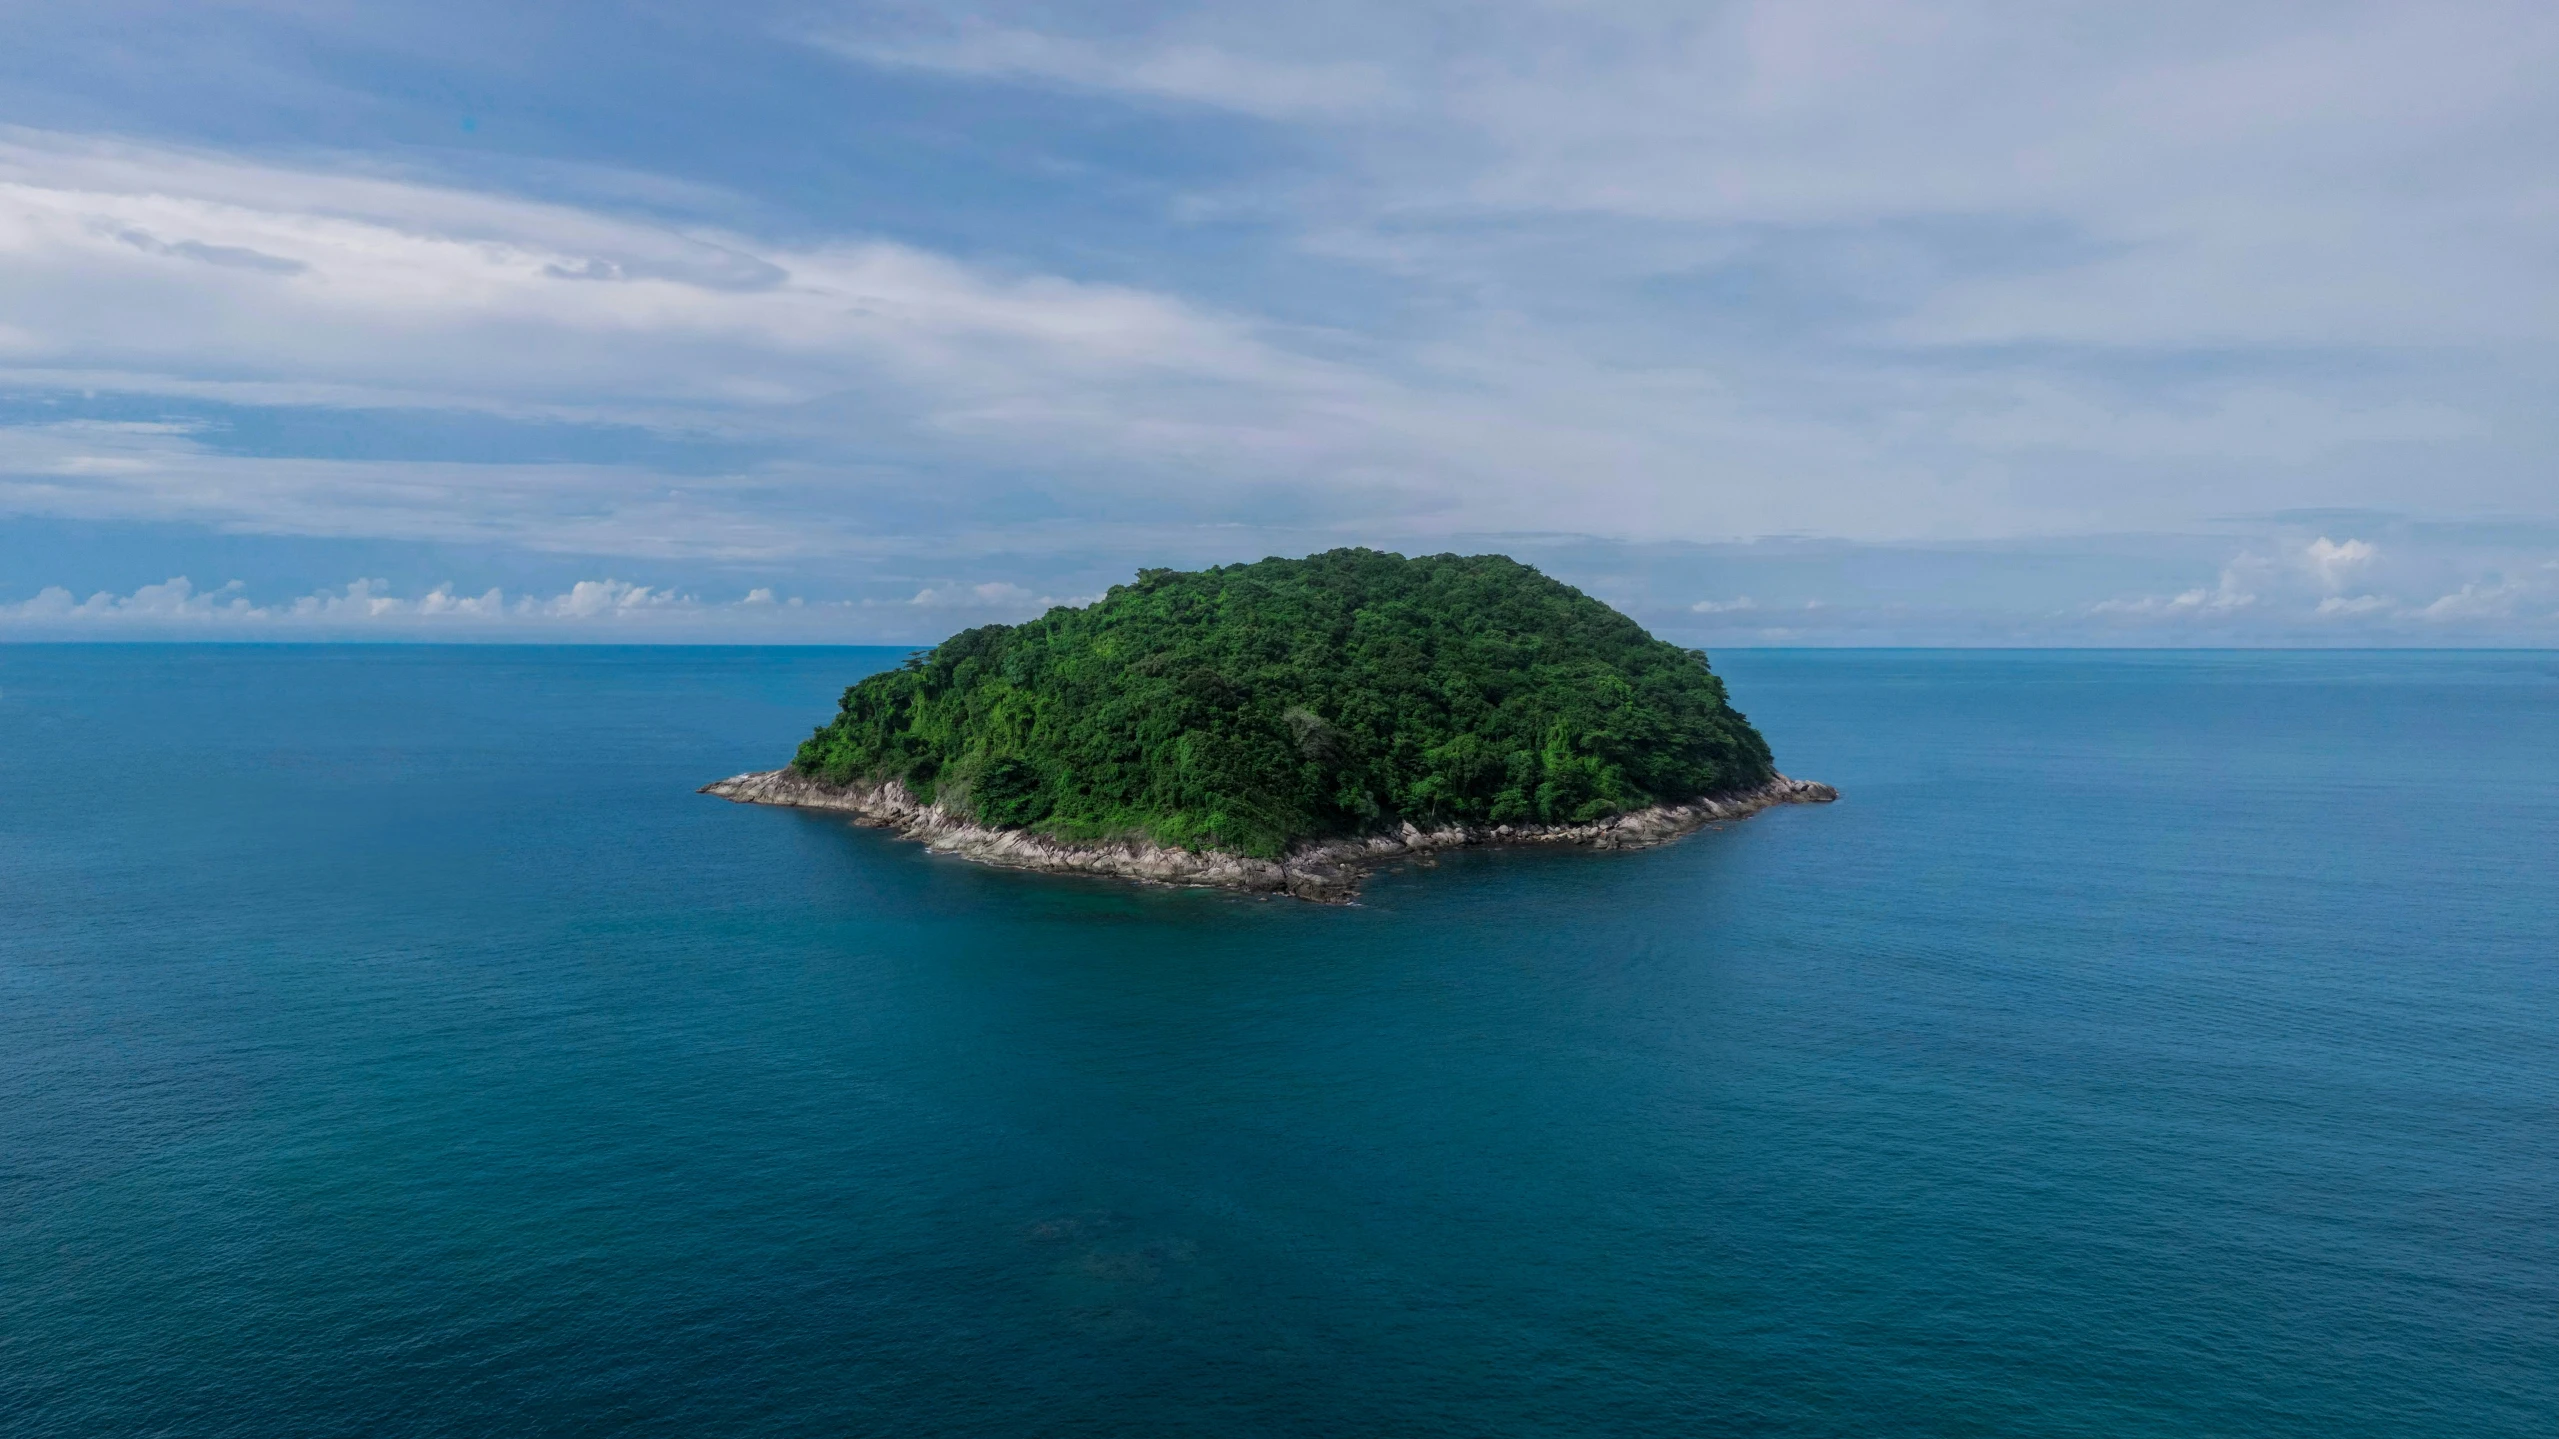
pixel 391 1043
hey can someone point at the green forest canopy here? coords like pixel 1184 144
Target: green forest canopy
pixel 1246 707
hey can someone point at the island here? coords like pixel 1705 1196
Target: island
pixel 1286 726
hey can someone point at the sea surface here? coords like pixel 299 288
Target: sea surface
pixel 392 1043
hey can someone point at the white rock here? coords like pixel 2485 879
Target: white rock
pixel 1329 871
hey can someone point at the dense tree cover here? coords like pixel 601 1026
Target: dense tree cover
pixel 1248 706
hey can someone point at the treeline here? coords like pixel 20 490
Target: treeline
pixel 1248 706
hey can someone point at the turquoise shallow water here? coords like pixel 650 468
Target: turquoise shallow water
pixel 2149 1044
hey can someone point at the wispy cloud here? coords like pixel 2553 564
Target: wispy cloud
pixel 860 359
pixel 2476 600
pixel 289 274
pixel 125 471
pixel 2067 174
pixel 1163 68
pixel 885 377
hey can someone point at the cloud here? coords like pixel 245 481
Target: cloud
pixel 1953 260
pixel 1162 69
pixel 2337 563
pixel 174 600
pixel 974 596
pixel 2068 174
pixel 233 256
pixel 869 360
pixel 2499 585
pixel 1891 274
pixel 2230 593
pixel 119 471
pixel 2250 178
pixel 899 395
pixel 589 598
pixel 372 604
pixel 589 608
pixel 2315 587
pixel 2476 600
pixel 263 271
pixel 994 596
pixel 860 359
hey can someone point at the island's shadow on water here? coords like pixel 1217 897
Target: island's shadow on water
pixel 2145 1046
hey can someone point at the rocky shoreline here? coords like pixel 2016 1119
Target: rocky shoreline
pixel 1324 871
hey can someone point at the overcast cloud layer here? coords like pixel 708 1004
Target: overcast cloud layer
pixel 1771 323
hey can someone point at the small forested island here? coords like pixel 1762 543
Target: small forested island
pixel 1287 725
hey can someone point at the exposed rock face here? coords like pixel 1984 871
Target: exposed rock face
pixel 1327 871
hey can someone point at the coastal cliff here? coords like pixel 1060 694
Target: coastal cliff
pixel 1326 871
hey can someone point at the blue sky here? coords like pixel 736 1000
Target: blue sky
pixel 1788 322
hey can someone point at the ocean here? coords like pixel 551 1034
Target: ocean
pixel 392 1043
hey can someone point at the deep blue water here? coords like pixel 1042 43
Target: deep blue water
pixel 391 1043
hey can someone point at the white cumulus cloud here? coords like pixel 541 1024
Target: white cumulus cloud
pixel 175 599
pixel 375 604
pixel 2336 563
pixel 2229 593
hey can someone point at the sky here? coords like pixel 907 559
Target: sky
pixel 1770 323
